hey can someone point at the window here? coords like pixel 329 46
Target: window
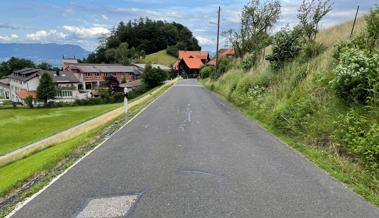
pixel 97 75
pixel 88 74
pixel 105 74
pixel 114 74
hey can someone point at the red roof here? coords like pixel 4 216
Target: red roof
pixel 23 94
pixel 193 63
pixel 226 51
pixel 194 54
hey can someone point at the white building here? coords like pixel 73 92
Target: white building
pixel 4 89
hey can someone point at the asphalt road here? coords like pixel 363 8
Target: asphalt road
pixel 192 155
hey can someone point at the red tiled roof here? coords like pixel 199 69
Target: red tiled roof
pixel 23 94
pixel 195 54
pixel 212 62
pixel 226 51
pixel 193 63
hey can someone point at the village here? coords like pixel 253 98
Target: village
pixel 76 81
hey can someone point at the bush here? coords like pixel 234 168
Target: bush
pixel 286 45
pixel 357 75
pixel 372 21
pixel 29 101
pixel 359 137
pixel 206 71
pixel 172 74
pixel 248 61
pixel 224 65
pixel 313 49
pixel 153 77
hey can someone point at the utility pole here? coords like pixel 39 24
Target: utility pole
pixel 355 19
pixel 218 37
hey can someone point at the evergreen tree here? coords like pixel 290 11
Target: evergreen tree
pixel 46 88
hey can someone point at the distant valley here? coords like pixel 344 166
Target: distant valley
pixel 37 52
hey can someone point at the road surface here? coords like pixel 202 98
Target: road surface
pixel 192 155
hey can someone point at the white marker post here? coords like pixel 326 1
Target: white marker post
pixel 126 99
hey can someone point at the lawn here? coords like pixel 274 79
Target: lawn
pixel 20 127
pixel 160 57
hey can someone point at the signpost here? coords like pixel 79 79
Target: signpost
pixel 126 99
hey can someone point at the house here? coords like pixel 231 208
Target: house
pixel 131 85
pixel 4 89
pixel 91 75
pixel 190 62
pixel 224 52
pixel 24 83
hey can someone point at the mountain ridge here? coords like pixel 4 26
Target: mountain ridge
pixel 51 53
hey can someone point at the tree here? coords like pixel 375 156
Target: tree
pixel 45 66
pixel 256 20
pixel 13 64
pixel 153 77
pixel 310 14
pixel 372 21
pixel 46 89
pixel 112 84
pixel 29 101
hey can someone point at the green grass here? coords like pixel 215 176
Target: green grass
pixel 297 104
pixel 22 126
pixel 160 57
pixel 14 175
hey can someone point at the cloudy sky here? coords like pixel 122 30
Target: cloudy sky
pixel 82 22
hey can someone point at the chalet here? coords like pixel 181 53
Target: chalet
pixel 224 52
pixel 190 62
pixel 91 75
pixel 24 83
pixel 4 89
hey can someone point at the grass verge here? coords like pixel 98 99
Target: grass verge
pixel 25 177
pixel 348 171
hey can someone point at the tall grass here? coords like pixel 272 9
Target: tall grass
pixel 298 104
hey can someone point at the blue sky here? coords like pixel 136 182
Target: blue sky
pixel 82 22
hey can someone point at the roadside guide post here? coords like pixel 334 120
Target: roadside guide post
pixel 126 99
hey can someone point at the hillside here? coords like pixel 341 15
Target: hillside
pixel 51 53
pixel 298 104
pixel 160 57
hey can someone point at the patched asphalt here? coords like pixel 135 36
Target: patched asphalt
pixel 190 154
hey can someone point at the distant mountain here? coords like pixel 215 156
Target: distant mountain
pixel 51 53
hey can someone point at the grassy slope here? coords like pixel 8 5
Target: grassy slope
pixel 15 174
pixel 20 127
pixel 299 106
pixel 160 57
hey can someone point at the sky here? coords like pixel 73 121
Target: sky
pixel 82 22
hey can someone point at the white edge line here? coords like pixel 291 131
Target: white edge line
pixel 21 204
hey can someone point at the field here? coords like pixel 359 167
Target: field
pixel 160 57
pixel 22 126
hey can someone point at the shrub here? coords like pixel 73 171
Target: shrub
pixel 206 71
pixel 359 137
pixel 29 101
pixel 313 49
pixel 224 64
pixel 357 75
pixel 372 21
pixel 153 77
pixel 248 61
pixel 172 73
pixel 286 46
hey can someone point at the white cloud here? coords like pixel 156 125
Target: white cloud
pixel 86 33
pixel 205 41
pixel 44 35
pixel 104 17
pixel 8 38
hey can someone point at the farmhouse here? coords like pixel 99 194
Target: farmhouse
pixel 190 62
pixel 91 75
pixel 24 83
pixel 224 52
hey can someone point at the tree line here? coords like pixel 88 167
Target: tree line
pixel 7 67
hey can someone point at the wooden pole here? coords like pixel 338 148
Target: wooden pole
pixel 218 37
pixel 355 20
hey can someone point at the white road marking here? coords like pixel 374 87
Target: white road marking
pixel 118 206
pixel 25 202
